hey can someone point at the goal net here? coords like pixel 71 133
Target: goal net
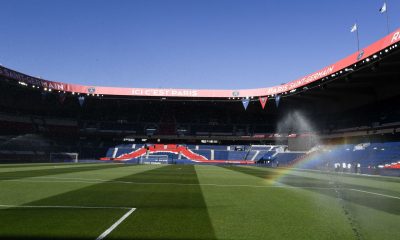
pixel 154 159
pixel 63 157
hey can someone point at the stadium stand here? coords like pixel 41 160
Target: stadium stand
pixel 357 158
pixel 356 103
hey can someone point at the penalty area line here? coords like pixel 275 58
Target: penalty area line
pixel 103 235
pixel 110 229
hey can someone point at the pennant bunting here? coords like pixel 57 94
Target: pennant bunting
pixel 263 101
pixel 277 100
pixel 44 95
pixel 81 100
pixel 245 103
pixel 61 97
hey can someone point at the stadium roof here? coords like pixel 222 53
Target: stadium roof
pixel 368 55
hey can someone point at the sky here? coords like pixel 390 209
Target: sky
pixel 199 44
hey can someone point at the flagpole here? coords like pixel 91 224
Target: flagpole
pixel 358 38
pixel 387 17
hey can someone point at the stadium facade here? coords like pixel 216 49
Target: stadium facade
pixel 353 101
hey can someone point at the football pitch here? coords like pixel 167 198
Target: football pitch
pixel 118 201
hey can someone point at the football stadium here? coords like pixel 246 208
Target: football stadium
pixel 315 158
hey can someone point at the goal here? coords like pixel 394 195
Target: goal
pixel 154 159
pixel 63 157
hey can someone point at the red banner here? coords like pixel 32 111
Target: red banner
pixel 196 93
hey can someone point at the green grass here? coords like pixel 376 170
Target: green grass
pixel 195 202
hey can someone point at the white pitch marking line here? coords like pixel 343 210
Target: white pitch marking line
pixel 162 183
pixel 379 194
pixel 65 207
pixel 178 184
pixel 110 229
pixel 103 235
pixel 88 180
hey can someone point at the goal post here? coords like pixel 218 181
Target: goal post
pixel 63 157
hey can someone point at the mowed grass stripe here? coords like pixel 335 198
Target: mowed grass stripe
pixel 328 187
pixel 313 180
pixel 378 182
pixel 282 212
pixel 27 165
pixel 55 170
pixel 386 209
pixel 163 212
pixel 22 167
pixel 269 213
pixel 49 166
pixel 167 212
pixel 32 225
pixel 25 190
pixel 55 223
pixel 348 175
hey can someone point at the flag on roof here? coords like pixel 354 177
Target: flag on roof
pixel 354 28
pixel 383 9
